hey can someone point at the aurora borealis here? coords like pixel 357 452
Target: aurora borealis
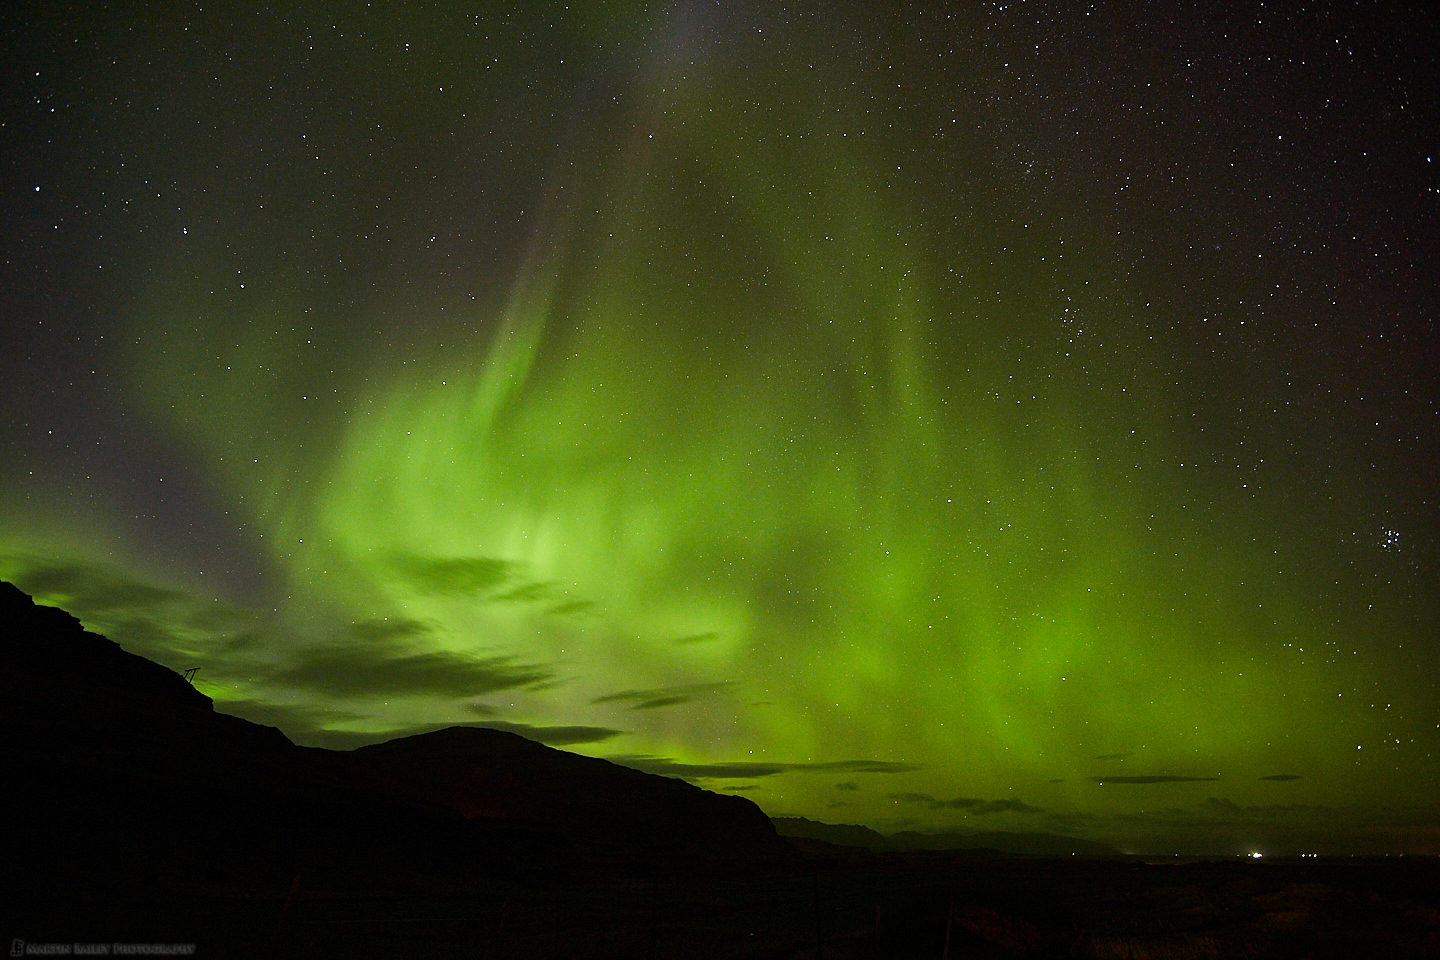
pixel 1010 417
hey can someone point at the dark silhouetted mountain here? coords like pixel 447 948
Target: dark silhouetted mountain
pixel 481 772
pixel 841 834
pixel 117 766
pixel 53 652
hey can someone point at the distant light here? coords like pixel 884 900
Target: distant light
pixel 1255 855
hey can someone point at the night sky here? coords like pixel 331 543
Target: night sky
pixel 972 416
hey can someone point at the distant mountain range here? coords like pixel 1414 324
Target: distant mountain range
pixel 995 842
pixel 117 765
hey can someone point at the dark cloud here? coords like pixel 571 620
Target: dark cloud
pixel 165 625
pixel 958 803
pixel 847 785
pixel 865 766
pixel 393 656
pixel 526 593
pixel 494 580
pixel 665 701
pixel 1145 780
pixel 744 770
pixel 1281 777
pixel 660 697
pixel 240 644
pixel 696 638
pixel 725 771
pixel 571 608
pixel 554 736
pixel 452 574
pixel 150 637
pixel 387 630
pixel 87 586
pixel 973 805
pixel 364 669
pixel 102 594
pixel 301 723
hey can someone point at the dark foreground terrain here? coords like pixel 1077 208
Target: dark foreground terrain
pixel 832 906
pixel 140 821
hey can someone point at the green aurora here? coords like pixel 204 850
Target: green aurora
pixel 717 417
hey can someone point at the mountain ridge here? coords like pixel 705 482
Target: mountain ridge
pixel 120 761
